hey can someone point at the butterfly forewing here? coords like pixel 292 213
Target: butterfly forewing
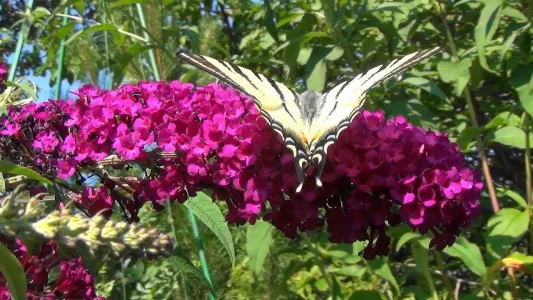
pixel 277 103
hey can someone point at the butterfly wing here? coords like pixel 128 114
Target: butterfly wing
pixel 342 103
pixel 278 104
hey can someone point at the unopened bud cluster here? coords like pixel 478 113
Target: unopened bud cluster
pixel 97 234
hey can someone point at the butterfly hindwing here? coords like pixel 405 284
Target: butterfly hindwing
pixel 278 104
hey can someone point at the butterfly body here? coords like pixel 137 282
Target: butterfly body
pixel 309 122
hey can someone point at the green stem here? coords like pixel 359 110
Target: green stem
pixel 442 269
pixel 170 220
pixel 106 44
pixel 527 154
pixel 151 53
pixel 141 65
pixel 201 252
pixel 24 29
pixel 184 286
pixel 60 61
pixel 320 264
pixel 473 118
pixel 123 280
pixel 421 258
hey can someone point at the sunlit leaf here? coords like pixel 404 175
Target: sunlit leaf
pixel 426 85
pixel 467 136
pixel 258 241
pixel 14 169
pixel 469 253
pixel 510 136
pixel 406 237
pixel 504 228
pixel 513 195
pixel 486 28
pixel 269 20
pixel 522 81
pixel 13 273
pixel 209 213
pixel 382 269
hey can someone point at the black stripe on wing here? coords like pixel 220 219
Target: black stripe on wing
pixel 330 136
pixel 419 56
pixel 404 66
pixel 202 63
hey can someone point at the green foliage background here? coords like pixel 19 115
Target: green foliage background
pixel 480 91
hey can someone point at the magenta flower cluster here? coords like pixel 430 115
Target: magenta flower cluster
pixel 73 281
pixel 3 75
pixel 379 172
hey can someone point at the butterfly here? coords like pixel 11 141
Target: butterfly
pixel 309 122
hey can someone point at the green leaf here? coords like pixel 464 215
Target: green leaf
pixel 513 195
pixel 269 20
pixel 27 87
pixel 504 118
pixel 352 270
pixel 451 71
pixel 126 2
pixel 406 237
pixel 321 285
pixel 209 213
pixel 13 273
pixel 2 184
pixel 521 260
pixel 63 32
pixel 184 264
pixel 382 269
pixel 258 241
pixel 11 168
pixel 415 293
pixel 505 228
pixel 514 13
pixel 371 295
pixel 467 135
pixel 100 27
pixel 335 54
pixel 288 19
pixel 123 59
pixel 315 69
pixel 470 254
pixel 38 13
pixel 457 73
pixel 510 136
pixel 191 32
pixel 397 7
pixel 426 85
pixel 522 81
pixel 486 28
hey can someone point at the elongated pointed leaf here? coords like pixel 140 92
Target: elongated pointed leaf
pixel 470 254
pixel 209 213
pixel 382 269
pixel 486 27
pixel 510 136
pixel 13 273
pixel 505 228
pixel 426 85
pixel 185 265
pixel 11 168
pixel 258 240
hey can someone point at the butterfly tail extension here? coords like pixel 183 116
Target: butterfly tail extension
pixel 300 164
